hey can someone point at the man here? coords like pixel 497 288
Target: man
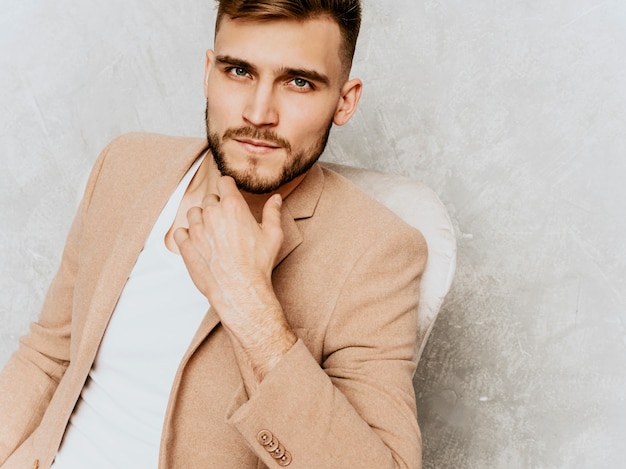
pixel 306 355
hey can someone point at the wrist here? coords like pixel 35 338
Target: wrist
pixel 267 352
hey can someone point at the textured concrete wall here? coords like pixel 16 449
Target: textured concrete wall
pixel 514 112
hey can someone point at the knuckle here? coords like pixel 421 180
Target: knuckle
pixel 230 204
pixel 276 235
pixel 193 214
pixel 195 228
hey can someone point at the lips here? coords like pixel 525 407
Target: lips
pixel 257 146
pixel 256 140
pixel 257 143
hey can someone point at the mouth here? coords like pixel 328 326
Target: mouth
pixel 256 146
pixel 257 143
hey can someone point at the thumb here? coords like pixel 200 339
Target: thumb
pixel 272 212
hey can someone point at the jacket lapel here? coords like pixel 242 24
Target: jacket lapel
pixel 299 205
pixel 130 238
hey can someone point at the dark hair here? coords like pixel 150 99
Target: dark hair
pixel 346 13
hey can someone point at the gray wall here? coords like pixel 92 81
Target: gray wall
pixel 514 112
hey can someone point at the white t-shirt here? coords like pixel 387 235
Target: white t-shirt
pixel 118 420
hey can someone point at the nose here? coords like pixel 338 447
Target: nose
pixel 261 110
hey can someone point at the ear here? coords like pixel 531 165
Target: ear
pixel 208 66
pixel 348 100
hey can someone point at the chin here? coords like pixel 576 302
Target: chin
pixel 254 181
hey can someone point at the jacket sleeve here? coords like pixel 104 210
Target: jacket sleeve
pixel 356 410
pixel 32 374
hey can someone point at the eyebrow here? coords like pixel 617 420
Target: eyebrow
pixel 310 75
pixel 234 62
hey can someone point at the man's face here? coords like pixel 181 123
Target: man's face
pixel 273 91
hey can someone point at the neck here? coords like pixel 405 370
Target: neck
pixel 256 202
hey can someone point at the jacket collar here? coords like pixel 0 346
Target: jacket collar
pixel 298 205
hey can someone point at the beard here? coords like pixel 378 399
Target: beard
pixel 248 180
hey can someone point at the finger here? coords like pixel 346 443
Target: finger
pixel 272 212
pixel 180 236
pixel 210 199
pixel 194 215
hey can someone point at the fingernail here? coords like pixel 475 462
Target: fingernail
pixel 278 200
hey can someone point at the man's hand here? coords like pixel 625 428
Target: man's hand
pixel 230 258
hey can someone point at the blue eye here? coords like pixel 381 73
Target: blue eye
pixel 237 71
pixel 301 83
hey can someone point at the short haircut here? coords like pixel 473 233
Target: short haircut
pixel 346 13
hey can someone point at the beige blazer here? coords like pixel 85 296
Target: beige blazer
pixel 347 278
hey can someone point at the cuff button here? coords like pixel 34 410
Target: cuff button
pixel 285 460
pixel 264 437
pixel 278 452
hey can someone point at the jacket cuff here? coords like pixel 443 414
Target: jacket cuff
pixel 283 412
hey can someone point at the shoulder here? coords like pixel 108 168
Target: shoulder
pixel 352 204
pixel 355 221
pixel 136 159
pixel 141 149
pixel 134 162
pixel 139 141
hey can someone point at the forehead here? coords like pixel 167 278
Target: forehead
pixel 311 44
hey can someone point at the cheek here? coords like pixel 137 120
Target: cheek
pixel 222 106
pixel 310 122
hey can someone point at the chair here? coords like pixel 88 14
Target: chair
pixel 420 207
